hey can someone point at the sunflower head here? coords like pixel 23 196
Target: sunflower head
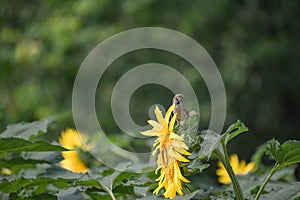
pixel 70 139
pixel 238 167
pixel 6 171
pixel 171 152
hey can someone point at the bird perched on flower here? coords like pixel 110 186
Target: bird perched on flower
pixel 179 110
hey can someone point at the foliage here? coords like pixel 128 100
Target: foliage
pixel 36 174
pixel 254 44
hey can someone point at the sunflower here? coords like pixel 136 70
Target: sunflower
pixel 70 139
pixel 171 149
pixel 6 171
pixel 239 168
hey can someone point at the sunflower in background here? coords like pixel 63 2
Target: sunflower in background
pixel 6 171
pixel 70 139
pixel 239 168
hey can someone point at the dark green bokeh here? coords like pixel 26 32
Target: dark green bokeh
pixel 255 44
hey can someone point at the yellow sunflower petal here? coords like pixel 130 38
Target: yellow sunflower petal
pixel 182 151
pixel 159 116
pixel 155 124
pixel 239 168
pixel 172 122
pixel 221 172
pixel 149 133
pixel 250 167
pixel 71 139
pixel 234 161
pixel 168 114
pixel 175 136
pixel 179 144
pixel 224 180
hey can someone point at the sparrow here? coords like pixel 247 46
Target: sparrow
pixel 179 109
pixel 182 114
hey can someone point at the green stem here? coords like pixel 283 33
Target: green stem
pixel 225 161
pixel 261 189
pixel 111 194
pixel 22 193
pixel 236 186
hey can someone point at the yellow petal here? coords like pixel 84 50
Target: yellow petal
pixel 178 172
pixel 175 136
pixel 172 122
pixel 155 150
pixel 220 165
pixel 182 151
pixel 178 144
pixel 167 117
pixel 149 133
pixel 221 172
pixel 250 167
pixel 234 161
pixel 183 159
pixel 224 180
pixel 159 116
pixel 173 154
pixel 155 124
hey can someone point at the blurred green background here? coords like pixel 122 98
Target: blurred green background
pixel 255 44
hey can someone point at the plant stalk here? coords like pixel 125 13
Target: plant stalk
pixel 274 169
pixel 111 194
pixel 225 160
pixel 236 185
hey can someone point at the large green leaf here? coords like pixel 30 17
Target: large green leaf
pixel 26 130
pixel 196 166
pixel 211 142
pixel 140 181
pixel 272 148
pixel 45 196
pixel 89 183
pixel 17 164
pixel 286 154
pixel 233 131
pixel 289 152
pixel 15 185
pixel 15 145
pixel 282 191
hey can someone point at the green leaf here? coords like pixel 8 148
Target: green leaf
pixel 286 154
pixel 140 181
pixel 15 185
pixel 211 142
pixel 70 193
pixel 233 131
pixel 289 152
pixel 110 181
pixel 96 195
pixel 41 196
pixel 26 130
pixel 141 191
pixel 272 147
pixel 90 183
pixel 283 192
pixel 17 164
pixel 196 166
pixel 15 145
pixel 197 194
